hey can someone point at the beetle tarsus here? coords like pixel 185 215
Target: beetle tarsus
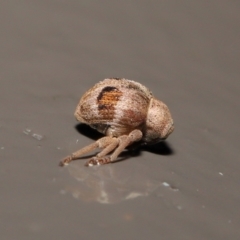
pixel 97 161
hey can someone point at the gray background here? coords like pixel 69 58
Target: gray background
pixel 186 52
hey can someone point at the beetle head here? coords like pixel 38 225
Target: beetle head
pixel 159 123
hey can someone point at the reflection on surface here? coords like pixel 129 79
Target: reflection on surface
pixel 114 183
pixel 111 184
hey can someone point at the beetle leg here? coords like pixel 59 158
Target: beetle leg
pixel 109 148
pixel 100 158
pixel 101 143
pixel 123 142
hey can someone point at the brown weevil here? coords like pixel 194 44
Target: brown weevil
pixel 126 112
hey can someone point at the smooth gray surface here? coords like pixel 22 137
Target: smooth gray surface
pixel 186 52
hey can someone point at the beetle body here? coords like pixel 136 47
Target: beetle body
pixel 122 109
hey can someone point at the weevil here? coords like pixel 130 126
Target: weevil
pixel 124 111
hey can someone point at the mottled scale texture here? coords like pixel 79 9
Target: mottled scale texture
pixel 110 106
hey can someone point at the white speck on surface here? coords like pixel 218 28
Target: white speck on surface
pixel 37 136
pixel 77 141
pixel 220 173
pixel 133 195
pixel 165 184
pixel 27 131
pixel 58 148
pixel 2 148
pixel 90 164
